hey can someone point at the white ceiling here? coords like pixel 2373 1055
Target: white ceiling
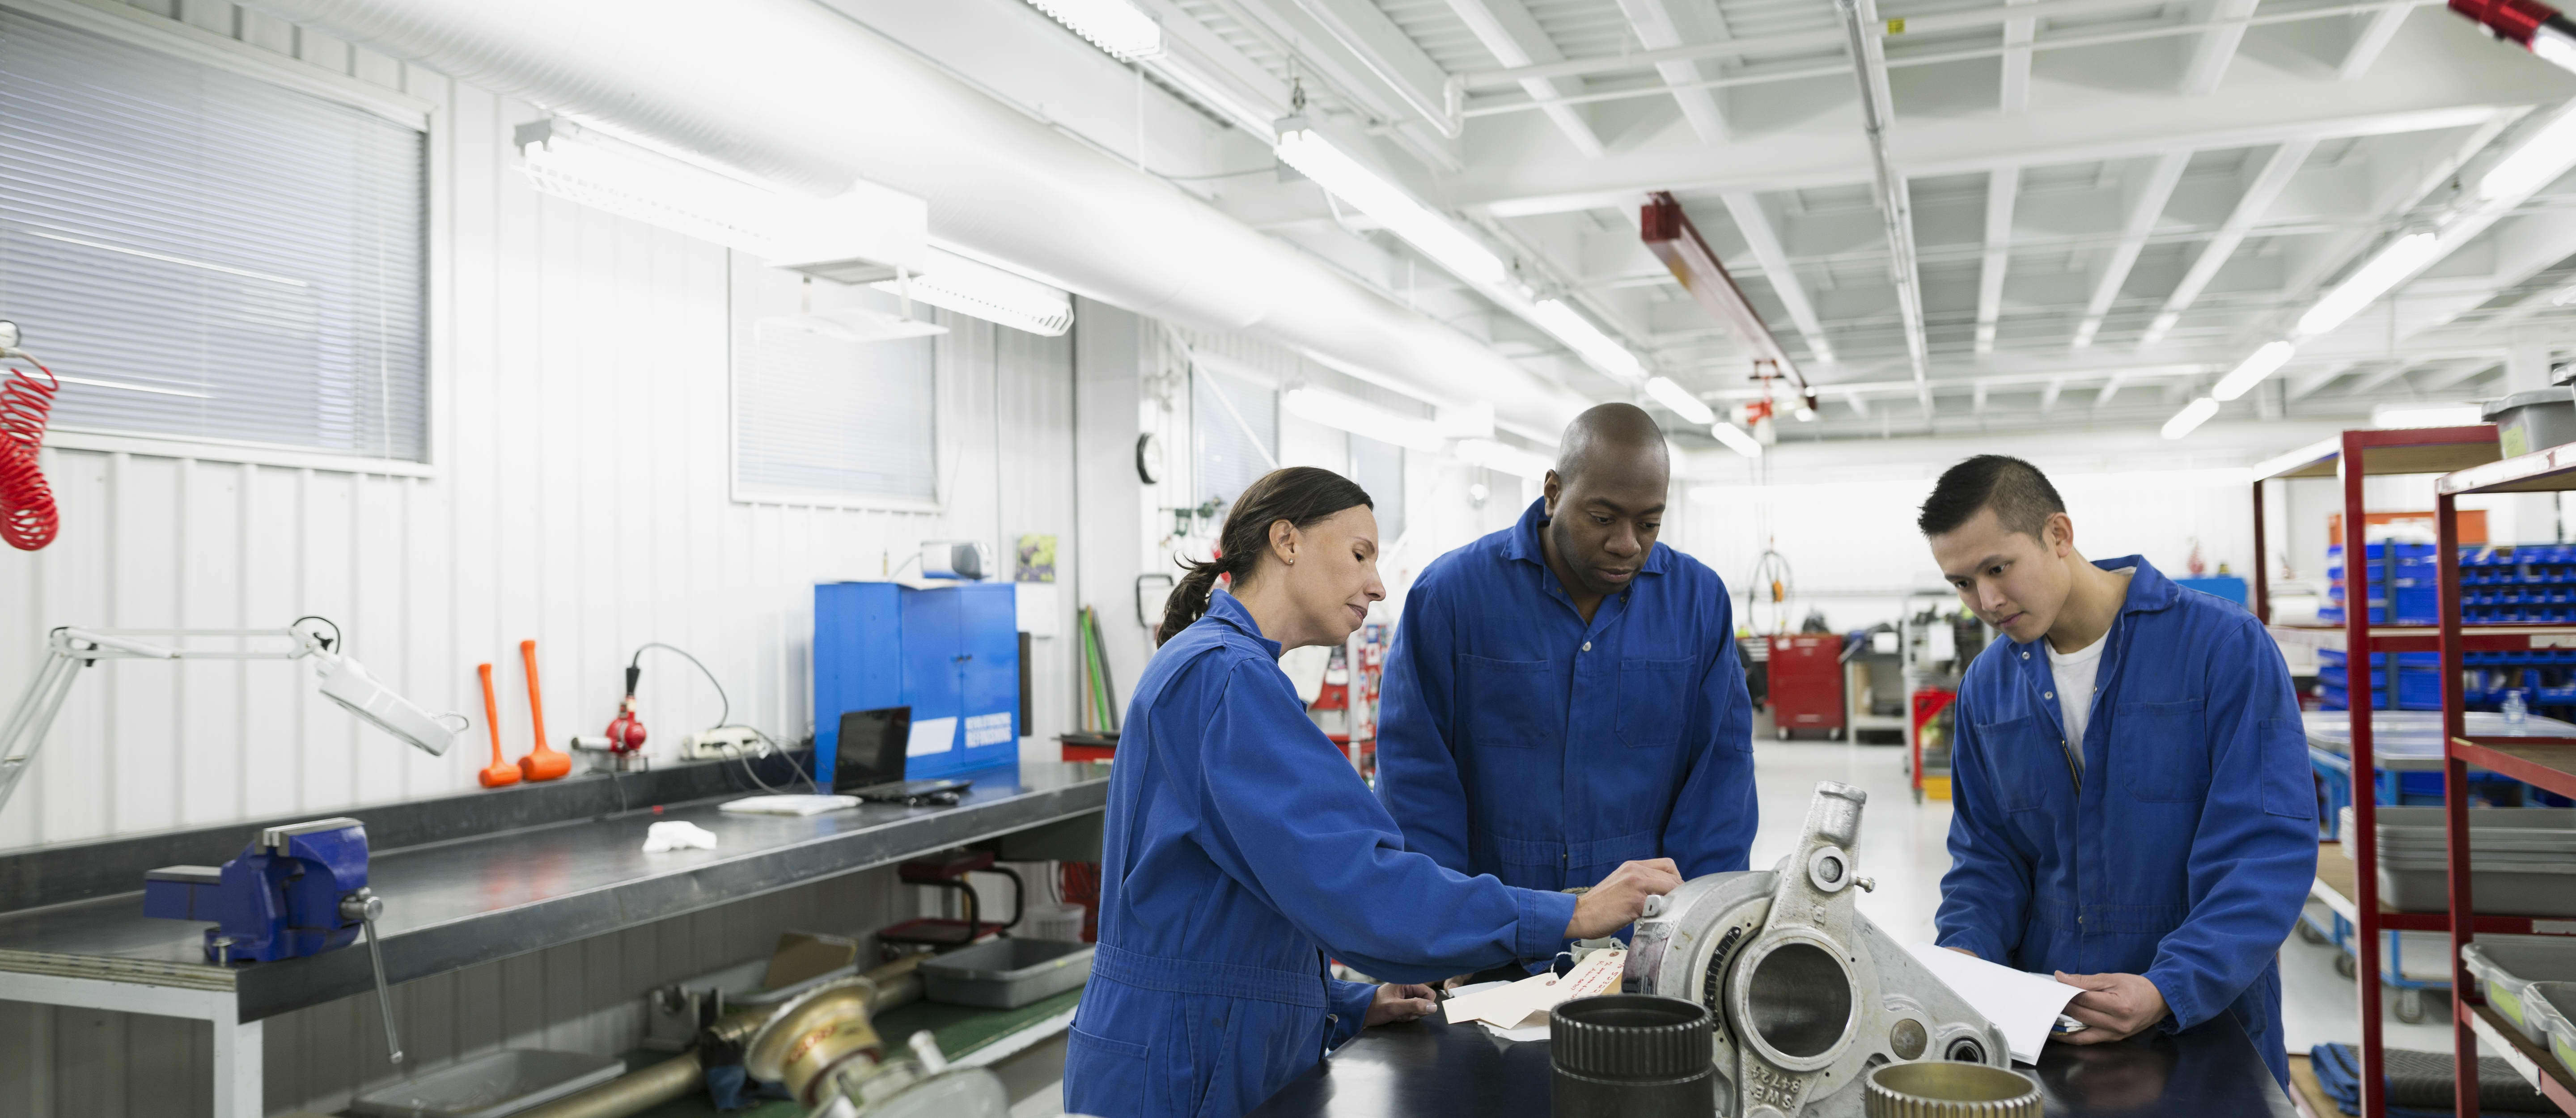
pixel 2167 183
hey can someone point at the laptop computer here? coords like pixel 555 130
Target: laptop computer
pixel 869 761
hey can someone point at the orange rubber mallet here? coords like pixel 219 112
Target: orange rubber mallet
pixel 543 762
pixel 501 772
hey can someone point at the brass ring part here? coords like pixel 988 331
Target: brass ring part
pixel 1943 1089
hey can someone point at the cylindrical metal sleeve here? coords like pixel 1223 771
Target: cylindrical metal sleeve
pixel 1630 1037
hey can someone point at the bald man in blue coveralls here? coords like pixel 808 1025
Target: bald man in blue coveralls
pixel 1564 695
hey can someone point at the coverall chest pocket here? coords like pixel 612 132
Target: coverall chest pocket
pixel 1511 704
pixel 2162 753
pixel 2014 759
pixel 1654 701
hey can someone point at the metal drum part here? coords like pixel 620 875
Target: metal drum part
pixel 1806 994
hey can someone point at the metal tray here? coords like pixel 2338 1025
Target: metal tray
pixel 1006 973
pixel 490 1086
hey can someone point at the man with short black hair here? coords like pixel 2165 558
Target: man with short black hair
pixel 1564 694
pixel 2133 805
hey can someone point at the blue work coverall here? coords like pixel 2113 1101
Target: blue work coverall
pixel 1241 848
pixel 1517 740
pixel 2185 851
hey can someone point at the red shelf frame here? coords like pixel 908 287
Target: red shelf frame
pixel 2540 762
pixel 2349 458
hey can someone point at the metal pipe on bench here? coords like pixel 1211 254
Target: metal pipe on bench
pixel 647 1087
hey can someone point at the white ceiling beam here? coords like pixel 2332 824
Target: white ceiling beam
pixel 2257 200
pixel 1788 159
pixel 2453 373
pixel 1515 39
pixel 2110 388
pixel 2217 46
pixel 1290 29
pixel 1797 42
pixel 2146 204
pixel 2371 38
pixel 1877 110
pixel 1391 56
pixel 2371 380
pixel 2018 33
pixel 2048 395
pixel 1859 405
pixel 1656 28
pixel 2302 385
pixel 1759 236
pixel 2003 186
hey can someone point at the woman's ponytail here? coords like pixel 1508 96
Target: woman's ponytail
pixel 1301 495
pixel 1189 601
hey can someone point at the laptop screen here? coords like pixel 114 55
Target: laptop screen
pixel 871 748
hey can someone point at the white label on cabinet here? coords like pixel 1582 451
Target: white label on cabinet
pixel 988 729
pixel 930 735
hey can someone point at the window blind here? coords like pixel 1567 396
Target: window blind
pixel 1379 468
pixel 817 415
pixel 1227 458
pixel 202 254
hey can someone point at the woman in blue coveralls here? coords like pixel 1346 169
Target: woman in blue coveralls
pixel 1242 849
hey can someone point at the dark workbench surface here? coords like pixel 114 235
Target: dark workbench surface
pixel 453 904
pixel 1430 1070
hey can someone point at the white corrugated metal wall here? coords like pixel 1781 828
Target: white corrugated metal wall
pixel 579 497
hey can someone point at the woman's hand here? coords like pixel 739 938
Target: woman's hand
pixel 1399 1002
pixel 1621 897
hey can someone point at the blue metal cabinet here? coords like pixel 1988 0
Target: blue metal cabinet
pixel 951 653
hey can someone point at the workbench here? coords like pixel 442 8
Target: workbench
pixel 467 880
pixel 1431 1070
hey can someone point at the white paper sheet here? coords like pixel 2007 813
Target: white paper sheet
pixel 2026 1005
pixel 931 735
pixel 1520 1010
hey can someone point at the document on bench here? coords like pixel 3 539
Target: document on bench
pixel 2026 1005
pixel 1519 1010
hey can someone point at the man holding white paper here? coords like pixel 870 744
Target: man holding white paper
pixel 2134 811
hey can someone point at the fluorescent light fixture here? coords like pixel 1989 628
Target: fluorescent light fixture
pixel 2190 417
pixel 973 287
pixel 2251 371
pixel 1115 26
pixel 1736 439
pixel 1359 417
pixel 1302 147
pixel 1578 333
pixel 1674 396
pixel 2156 330
pixel 1504 458
pixel 2427 415
pixel 2543 156
pixel 2392 265
pixel 866 233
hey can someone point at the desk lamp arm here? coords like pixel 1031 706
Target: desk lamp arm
pixel 341 679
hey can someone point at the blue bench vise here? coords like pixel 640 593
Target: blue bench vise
pixel 297 890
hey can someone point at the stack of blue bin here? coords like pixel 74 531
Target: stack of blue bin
pixel 2515 584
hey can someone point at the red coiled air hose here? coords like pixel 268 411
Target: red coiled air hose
pixel 27 517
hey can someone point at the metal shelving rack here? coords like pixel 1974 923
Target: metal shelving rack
pixel 2349 458
pixel 2547 763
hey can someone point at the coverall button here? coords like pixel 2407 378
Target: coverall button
pixel 1587 646
pixel 2048 695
